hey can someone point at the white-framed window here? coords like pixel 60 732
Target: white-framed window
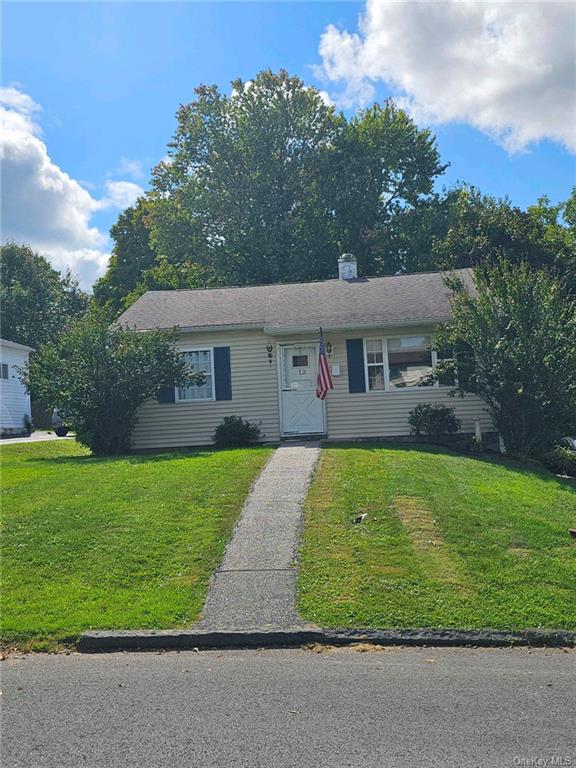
pixel 396 363
pixel 198 360
pixel 374 351
pixel 4 371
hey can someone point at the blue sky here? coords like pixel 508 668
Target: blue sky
pixel 108 78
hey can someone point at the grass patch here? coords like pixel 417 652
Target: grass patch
pixel 120 543
pixel 449 541
pixel 435 558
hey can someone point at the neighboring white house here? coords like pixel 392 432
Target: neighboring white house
pixel 15 413
pixel 258 348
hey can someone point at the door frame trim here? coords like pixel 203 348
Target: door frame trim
pixel 280 346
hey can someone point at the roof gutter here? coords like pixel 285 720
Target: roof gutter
pixel 291 330
pixel 223 327
pixel 283 330
pixel 197 328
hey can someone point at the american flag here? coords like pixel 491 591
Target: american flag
pixel 324 381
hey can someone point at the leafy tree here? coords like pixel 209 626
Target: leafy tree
pixel 555 229
pixel 131 256
pixel 99 376
pixel 383 170
pixel 481 230
pixel 242 193
pixel 408 243
pixel 167 276
pixel 36 300
pixel 463 228
pixel 519 326
pixel 271 185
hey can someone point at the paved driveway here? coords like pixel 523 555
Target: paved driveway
pixel 392 708
pixel 36 437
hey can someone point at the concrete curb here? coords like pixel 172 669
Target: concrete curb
pixel 294 637
pixel 197 638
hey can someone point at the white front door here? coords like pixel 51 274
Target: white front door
pixel 302 411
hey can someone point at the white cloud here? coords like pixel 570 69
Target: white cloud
pixel 132 168
pixel 41 204
pixel 507 68
pixel 325 96
pixel 17 111
pixel 120 194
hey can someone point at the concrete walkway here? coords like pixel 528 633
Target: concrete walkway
pixel 255 585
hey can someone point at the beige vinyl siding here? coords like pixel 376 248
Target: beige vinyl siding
pixel 254 396
pixel 385 414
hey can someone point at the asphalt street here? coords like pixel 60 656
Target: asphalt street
pixel 283 708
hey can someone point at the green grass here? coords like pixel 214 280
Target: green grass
pixel 449 541
pixel 117 543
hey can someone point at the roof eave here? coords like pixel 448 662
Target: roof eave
pixel 198 328
pixel 15 345
pixel 221 327
pixel 284 330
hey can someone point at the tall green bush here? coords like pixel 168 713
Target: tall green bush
pixel 99 376
pixel 516 336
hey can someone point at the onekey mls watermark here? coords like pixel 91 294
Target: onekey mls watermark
pixel 551 761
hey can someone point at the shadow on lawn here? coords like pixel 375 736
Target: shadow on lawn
pixel 130 458
pixel 506 463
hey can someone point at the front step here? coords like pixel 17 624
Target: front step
pixel 303 438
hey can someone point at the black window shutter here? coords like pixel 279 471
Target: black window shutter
pixel 355 353
pixel 166 395
pixel 222 374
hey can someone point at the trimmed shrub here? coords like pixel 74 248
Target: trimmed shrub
pixel 234 432
pixel 560 460
pixel 428 419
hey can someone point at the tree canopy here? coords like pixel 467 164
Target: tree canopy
pixel 461 227
pixel 482 231
pixel 243 192
pixel 132 255
pixel 36 301
pixel 269 184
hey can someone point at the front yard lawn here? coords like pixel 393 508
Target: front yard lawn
pixel 449 541
pixel 117 543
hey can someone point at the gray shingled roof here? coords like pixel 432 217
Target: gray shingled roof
pixel 290 306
